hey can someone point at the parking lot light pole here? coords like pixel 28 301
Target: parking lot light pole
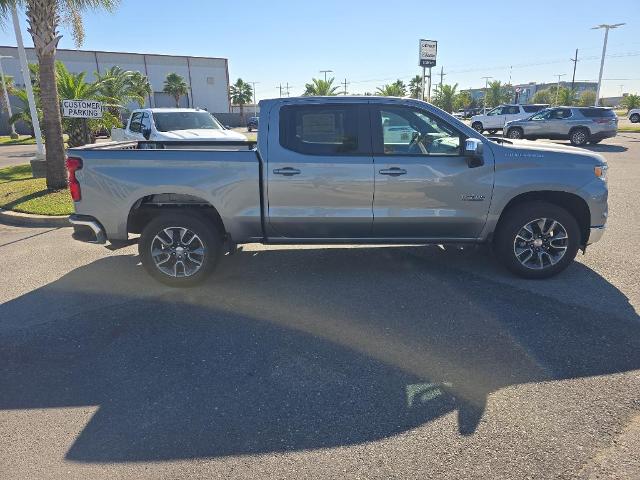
pixel 255 106
pixel 6 97
pixel 606 27
pixel 24 67
pixel 486 89
pixel 558 86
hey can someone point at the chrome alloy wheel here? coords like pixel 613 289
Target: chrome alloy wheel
pixel 579 137
pixel 541 243
pixel 177 252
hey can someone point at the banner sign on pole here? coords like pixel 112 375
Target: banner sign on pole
pixel 428 52
pixel 81 109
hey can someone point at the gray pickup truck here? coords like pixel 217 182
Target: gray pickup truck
pixel 341 170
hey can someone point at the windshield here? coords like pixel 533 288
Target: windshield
pixel 169 121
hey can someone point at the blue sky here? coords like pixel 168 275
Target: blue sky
pixel 372 43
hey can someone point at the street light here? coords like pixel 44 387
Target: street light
pixel 486 87
pixel 6 97
pixel 558 86
pixel 325 73
pixel 255 107
pixel 606 27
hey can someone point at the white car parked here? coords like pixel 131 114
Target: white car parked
pixel 177 124
pixel 634 115
pixel 495 119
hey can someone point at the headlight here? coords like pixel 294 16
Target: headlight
pixel 600 171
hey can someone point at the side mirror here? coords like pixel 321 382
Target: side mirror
pixel 227 127
pixel 146 133
pixel 473 152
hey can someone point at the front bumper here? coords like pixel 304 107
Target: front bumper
pixel 595 234
pixel 87 229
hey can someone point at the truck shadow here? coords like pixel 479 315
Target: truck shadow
pixel 288 350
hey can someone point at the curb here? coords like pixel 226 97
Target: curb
pixel 16 219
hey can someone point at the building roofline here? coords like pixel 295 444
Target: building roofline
pixel 126 53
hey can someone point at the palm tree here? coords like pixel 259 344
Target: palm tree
pixel 240 94
pixel 630 101
pixel 115 84
pixel 395 89
pixel 23 113
pixel 43 18
pixel 415 87
pixel 73 86
pixel 497 93
pixel 319 87
pixel 444 97
pixel 463 100
pixel 140 86
pixel 176 86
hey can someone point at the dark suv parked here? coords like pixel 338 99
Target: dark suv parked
pixel 252 124
pixel 580 125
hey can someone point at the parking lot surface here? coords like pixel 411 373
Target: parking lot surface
pixel 324 362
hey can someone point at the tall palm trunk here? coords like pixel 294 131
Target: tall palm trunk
pixel 43 26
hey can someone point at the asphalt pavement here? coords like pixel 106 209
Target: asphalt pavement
pixel 323 362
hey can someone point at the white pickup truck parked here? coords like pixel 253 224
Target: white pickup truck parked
pixel 176 124
pixel 495 119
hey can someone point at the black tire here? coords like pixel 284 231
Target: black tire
pixel 515 133
pixel 506 240
pixel 579 137
pixel 635 118
pixel 207 235
pixel 493 131
pixel 248 129
pixel 477 126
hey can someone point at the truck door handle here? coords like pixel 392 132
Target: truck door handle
pixel 394 171
pixel 287 171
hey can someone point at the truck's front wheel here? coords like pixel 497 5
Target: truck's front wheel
pixel 537 240
pixel 180 249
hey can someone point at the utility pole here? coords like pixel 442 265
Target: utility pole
pixel 325 73
pixel 558 86
pixel 442 74
pixel 606 27
pixel 280 87
pixel 6 97
pixel 345 86
pixel 255 106
pixel 486 89
pixel 24 67
pixel 575 63
pixel 287 88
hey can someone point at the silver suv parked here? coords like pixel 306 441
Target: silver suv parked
pixel 580 125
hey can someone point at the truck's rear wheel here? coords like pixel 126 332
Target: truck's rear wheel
pixel 180 249
pixel 477 126
pixel 537 240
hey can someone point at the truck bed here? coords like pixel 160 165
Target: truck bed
pixel 117 177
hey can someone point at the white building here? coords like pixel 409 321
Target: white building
pixel 207 77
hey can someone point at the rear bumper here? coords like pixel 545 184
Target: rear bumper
pixel 595 234
pixel 87 229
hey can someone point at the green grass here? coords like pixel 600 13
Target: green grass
pixel 23 140
pixel 21 193
pixel 629 128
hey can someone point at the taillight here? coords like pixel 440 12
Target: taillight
pixel 73 165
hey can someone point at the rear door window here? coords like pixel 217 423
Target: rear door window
pixel 135 125
pixel 533 108
pixel 324 129
pixel 512 110
pixel 597 112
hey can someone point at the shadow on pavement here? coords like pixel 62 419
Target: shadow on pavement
pixel 293 349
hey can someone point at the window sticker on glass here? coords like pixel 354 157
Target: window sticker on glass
pixel 319 127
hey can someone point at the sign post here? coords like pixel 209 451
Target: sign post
pixel 427 53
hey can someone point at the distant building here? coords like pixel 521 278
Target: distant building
pixel 207 77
